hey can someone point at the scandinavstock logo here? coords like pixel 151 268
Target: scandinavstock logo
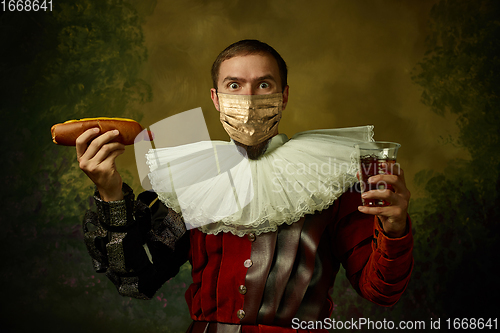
pixel 182 164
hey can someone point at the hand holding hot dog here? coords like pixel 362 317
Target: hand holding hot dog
pixel 98 142
pixel 97 161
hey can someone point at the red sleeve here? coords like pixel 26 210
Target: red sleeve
pixel 378 267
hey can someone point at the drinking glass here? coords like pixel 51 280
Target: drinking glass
pixel 376 158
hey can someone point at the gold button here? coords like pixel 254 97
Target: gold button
pixel 248 263
pixel 240 314
pixel 251 237
pixel 242 289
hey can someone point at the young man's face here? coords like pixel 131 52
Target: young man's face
pixel 252 74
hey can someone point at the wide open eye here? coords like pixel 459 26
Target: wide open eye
pixel 233 85
pixel 264 85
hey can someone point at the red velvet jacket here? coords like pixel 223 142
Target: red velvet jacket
pixel 272 278
pixel 259 282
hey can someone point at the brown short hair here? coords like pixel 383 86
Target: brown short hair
pixel 245 47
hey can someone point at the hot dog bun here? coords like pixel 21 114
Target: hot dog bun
pixel 66 133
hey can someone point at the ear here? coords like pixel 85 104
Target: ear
pixel 215 98
pixel 285 97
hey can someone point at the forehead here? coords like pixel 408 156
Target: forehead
pixel 249 67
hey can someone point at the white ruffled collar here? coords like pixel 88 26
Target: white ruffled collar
pixel 276 141
pixel 217 190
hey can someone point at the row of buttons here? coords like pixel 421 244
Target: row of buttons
pixel 242 288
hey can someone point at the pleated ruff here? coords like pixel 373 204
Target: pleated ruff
pixel 217 189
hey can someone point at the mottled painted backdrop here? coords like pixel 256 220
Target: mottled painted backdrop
pixel 425 73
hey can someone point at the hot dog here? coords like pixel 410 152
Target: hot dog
pixel 66 133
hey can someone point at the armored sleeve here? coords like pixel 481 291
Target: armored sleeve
pixel 139 244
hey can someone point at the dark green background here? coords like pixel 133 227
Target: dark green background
pixel 425 73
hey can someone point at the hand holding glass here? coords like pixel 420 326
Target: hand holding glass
pixel 376 158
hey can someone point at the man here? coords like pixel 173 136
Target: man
pixel 273 263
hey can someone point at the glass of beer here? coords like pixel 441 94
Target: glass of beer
pixel 375 158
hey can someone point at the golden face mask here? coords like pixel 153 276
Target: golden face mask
pixel 250 119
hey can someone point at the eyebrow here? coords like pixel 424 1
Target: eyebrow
pixel 260 78
pixel 231 78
